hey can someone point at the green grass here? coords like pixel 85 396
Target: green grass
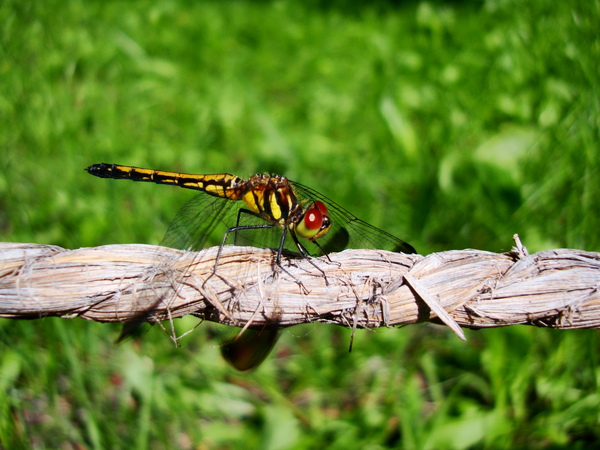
pixel 449 124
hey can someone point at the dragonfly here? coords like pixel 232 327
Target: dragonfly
pixel 305 221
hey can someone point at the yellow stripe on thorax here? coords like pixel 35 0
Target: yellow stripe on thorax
pixel 276 212
pixel 270 201
pixel 254 199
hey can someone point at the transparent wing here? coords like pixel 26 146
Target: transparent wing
pixel 194 226
pixel 202 220
pixel 348 231
pixel 256 237
pixel 205 219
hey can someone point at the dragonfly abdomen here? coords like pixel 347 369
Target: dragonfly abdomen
pixel 220 185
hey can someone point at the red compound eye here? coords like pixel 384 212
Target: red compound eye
pixel 315 222
pixel 321 206
pixel 313 219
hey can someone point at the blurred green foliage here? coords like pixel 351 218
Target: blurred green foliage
pixel 450 124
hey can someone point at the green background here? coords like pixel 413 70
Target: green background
pixel 449 124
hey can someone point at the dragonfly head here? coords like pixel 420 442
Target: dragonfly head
pixel 314 221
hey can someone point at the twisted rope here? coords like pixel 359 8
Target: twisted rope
pixel 363 288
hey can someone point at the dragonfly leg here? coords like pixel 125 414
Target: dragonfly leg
pixel 239 227
pixel 235 230
pixel 325 254
pixel 304 253
pixel 278 261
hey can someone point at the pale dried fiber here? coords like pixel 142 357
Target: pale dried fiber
pixel 363 288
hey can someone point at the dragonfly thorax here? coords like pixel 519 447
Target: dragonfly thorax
pixel 270 196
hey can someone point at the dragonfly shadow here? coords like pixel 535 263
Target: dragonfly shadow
pixel 338 241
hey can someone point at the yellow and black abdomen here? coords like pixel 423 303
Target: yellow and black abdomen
pixel 220 185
